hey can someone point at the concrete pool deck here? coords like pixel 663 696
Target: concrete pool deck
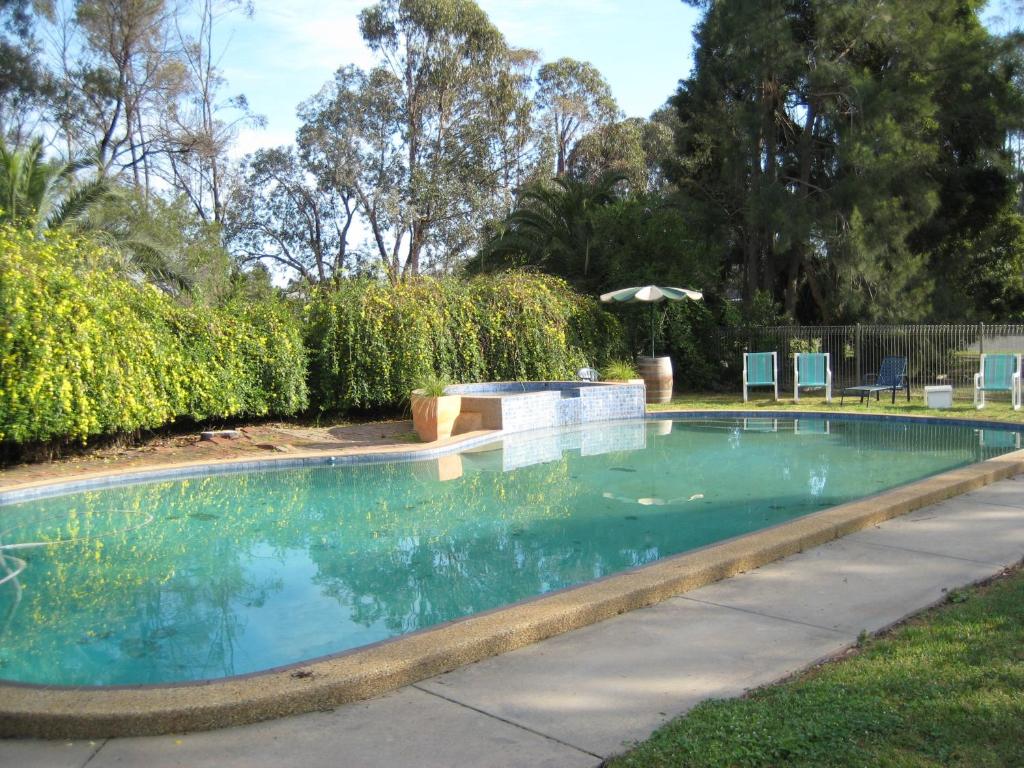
pixel 575 699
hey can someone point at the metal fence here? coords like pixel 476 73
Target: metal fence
pixel 936 354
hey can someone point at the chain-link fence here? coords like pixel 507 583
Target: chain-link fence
pixel 936 354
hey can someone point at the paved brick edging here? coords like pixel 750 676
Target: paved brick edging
pixel 53 712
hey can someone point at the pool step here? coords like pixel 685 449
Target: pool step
pixel 468 421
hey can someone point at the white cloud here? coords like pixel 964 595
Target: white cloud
pixel 541 24
pixel 307 35
pixel 251 139
pixel 283 55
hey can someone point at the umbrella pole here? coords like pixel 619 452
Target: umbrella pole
pixel 652 330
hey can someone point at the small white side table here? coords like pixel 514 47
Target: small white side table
pixel 939 396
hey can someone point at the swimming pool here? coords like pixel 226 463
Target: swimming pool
pixel 227 574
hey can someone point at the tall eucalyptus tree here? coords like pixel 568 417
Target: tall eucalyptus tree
pixel 425 142
pixel 573 98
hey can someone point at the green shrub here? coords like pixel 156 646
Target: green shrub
pixel 688 332
pixel 371 343
pixel 691 332
pixel 84 352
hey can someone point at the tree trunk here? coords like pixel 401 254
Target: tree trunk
pixel 792 289
pixel 798 254
pixel 752 230
pixel 750 267
pixel 412 263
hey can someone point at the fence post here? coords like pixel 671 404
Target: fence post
pixel 856 355
pixel 981 338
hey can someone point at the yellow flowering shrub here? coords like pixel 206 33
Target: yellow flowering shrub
pixel 370 343
pixel 86 352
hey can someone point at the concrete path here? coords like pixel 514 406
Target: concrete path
pixel 575 699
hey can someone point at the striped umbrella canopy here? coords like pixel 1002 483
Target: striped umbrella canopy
pixel 652 294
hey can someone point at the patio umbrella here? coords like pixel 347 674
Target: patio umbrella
pixel 652 294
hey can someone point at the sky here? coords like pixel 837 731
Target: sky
pixel 290 48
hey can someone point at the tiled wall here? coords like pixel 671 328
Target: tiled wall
pixel 518 387
pixel 560 403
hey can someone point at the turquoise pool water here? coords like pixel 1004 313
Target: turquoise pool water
pixel 234 573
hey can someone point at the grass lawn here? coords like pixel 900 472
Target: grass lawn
pixel 944 689
pixel 995 410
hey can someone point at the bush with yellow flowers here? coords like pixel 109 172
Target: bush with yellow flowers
pixel 370 343
pixel 84 351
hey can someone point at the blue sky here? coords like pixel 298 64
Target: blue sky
pixel 288 50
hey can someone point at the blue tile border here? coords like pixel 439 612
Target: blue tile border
pixel 270 464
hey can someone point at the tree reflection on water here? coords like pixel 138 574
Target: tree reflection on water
pixel 233 573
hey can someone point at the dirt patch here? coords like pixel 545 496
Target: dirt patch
pixel 258 440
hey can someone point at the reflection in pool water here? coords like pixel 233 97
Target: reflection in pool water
pixel 234 573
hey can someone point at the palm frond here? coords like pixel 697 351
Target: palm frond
pixel 35 176
pixel 72 167
pixel 153 262
pixel 77 203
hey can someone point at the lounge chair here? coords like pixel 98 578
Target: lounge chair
pixel 760 369
pixel 811 427
pixel 588 374
pixel 999 373
pixel 812 370
pixel 892 376
pixel 999 438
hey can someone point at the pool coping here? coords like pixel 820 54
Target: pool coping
pixel 66 712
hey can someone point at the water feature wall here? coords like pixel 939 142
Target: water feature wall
pixel 521 406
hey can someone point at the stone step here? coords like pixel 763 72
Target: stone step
pixel 468 421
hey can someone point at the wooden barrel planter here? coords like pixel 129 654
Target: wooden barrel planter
pixel 657 375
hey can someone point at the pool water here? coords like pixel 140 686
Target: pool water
pixel 227 574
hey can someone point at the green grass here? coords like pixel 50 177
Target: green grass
pixel 945 689
pixel 995 410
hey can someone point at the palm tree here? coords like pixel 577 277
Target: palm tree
pixel 45 195
pixel 48 195
pixel 552 227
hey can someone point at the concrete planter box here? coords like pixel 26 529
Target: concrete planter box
pixel 434 417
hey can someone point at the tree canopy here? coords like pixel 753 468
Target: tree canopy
pixel 830 162
pixel 836 148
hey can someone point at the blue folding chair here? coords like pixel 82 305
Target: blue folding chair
pixel 999 373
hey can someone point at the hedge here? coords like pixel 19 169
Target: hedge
pixel 85 352
pixel 370 343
